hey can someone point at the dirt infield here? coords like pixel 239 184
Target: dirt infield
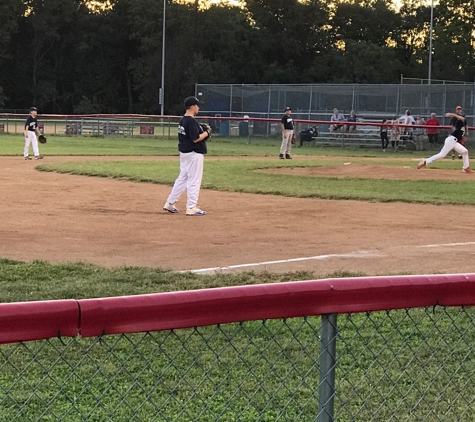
pixel 64 218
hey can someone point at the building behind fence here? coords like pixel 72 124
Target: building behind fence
pixel 357 349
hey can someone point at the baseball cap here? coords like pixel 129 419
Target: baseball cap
pixel 33 109
pixel 189 101
pixel 288 108
pixel 458 107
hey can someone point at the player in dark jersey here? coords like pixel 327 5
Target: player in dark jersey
pixel 453 141
pixel 287 125
pixel 192 146
pixel 453 123
pixel 31 130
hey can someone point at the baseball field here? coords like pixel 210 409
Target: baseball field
pixel 98 201
pixel 87 221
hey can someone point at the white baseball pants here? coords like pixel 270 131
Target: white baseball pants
pixel 450 144
pixel 31 140
pixel 191 173
pixel 286 141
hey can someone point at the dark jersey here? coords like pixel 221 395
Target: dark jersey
pixel 288 122
pixel 31 123
pixel 188 131
pixel 459 127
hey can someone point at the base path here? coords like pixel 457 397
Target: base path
pixel 63 218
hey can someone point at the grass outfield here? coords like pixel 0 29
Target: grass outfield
pixel 12 145
pixel 250 177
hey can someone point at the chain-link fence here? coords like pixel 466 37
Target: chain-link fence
pixel 317 101
pixel 99 126
pixel 323 350
pixel 404 365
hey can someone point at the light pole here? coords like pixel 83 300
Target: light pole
pixel 430 40
pixel 162 89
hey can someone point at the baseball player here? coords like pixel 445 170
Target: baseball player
pixel 287 134
pixel 453 141
pixel 192 147
pixel 31 129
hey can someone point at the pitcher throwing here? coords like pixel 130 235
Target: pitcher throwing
pixel 453 142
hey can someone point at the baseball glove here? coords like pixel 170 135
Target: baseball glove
pixel 294 139
pixel 206 128
pixel 42 139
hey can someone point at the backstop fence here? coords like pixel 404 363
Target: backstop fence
pixel 356 349
pixel 316 101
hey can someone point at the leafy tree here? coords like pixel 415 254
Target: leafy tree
pixel 454 40
pixel 289 37
pixel 376 24
pixel 65 57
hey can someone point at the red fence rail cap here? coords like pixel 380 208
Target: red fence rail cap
pixel 26 321
pixel 266 301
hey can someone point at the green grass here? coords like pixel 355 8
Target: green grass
pixel 12 145
pixel 39 280
pixel 249 176
pixel 241 175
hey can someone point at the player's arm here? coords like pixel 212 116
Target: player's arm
pixel 202 137
pixel 457 116
pixel 26 130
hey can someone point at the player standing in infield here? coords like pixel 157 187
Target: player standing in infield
pixel 287 133
pixel 192 148
pixel 31 129
pixel 453 141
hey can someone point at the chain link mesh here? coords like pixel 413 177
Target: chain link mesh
pixel 403 365
pixel 316 101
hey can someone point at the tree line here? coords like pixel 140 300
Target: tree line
pixel 64 57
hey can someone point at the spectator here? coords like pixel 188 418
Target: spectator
pixel 383 132
pixel 432 131
pixel 419 134
pixel 407 119
pixel 336 117
pixel 351 118
pixel 395 133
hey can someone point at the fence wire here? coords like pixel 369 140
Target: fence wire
pixel 316 101
pixel 399 365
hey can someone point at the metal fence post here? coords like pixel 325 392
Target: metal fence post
pixel 326 392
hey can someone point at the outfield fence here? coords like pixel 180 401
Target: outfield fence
pixel 135 125
pixel 353 349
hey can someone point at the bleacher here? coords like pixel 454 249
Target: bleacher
pixel 98 127
pixel 361 137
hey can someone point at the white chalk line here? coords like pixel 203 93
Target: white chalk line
pixel 438 245
pixel 357 254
